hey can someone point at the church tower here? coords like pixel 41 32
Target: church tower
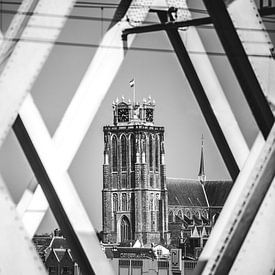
pixel 134 196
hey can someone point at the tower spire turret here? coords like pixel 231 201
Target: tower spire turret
pixel 201 175
pixel 133 113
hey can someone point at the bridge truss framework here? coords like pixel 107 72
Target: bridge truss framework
pixel 246 222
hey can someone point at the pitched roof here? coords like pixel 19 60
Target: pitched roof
pixel 58 242
pixel 52 256
pixel 59 253
pixel 67 257
pixel 185 192
pixel 217 191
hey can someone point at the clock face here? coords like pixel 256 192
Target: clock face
pixel 149 115
pixel 123 115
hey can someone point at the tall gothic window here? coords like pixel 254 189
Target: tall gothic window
pixel 151 180
pixel 124 202
pixel 170 217
pixel 114 153
pixel 123 153
pixel 157 152
pixel 123 181
pixel 125 229
pixel 157 212
pixel 151 152
pixel 115 202
pixel 152 202
pixel 132 152
pixel 152 212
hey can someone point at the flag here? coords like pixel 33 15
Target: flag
pixel 132 83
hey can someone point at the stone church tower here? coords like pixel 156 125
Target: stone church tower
pixel 134 195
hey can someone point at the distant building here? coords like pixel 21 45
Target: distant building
pixel 141 207
pixel 138 201
pixel 130 260
pixel 41 242
pixel 194 207
pixel 56 254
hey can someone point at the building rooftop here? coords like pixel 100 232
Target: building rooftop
pixel 190 193
pixel 133 113
pixel 186 192
pixel 58 242
pixel 217 191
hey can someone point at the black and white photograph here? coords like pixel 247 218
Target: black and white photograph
pixel 137 137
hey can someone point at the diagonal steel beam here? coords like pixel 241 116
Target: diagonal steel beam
pixel 98 79
pixel 27 59
pixel 15 30
pixel 24 66
pixel 57 203
pixel 59 190
pixel 11 98
pixel 15 242
pixel 256 43
pixel 242 214
pixel 260 238
pixel 167 26
pixel 24 60
pixel 84 105
pixel 202 99
pixel 83 237
pixel 208 257
pixel 240 64
pixel 7 44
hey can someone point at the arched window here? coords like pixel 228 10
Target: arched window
pixel 123 181
pixel 114 153
pixel 152 212
pixel 151 152
pixel 180 214
pixel 157 152
pixel 124 202
pixel 157 212
pixel 123 153
pixel 115 202
pixel 125 233
pixel 132 152
pixel 170 217
pixel 152 202
pixel 188 214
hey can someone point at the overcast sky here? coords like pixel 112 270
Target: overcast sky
pixel 157 73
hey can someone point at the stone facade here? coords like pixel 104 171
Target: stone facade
pixel 135 201
pixel 138 201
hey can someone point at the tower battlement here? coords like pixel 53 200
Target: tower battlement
pixel 131 113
